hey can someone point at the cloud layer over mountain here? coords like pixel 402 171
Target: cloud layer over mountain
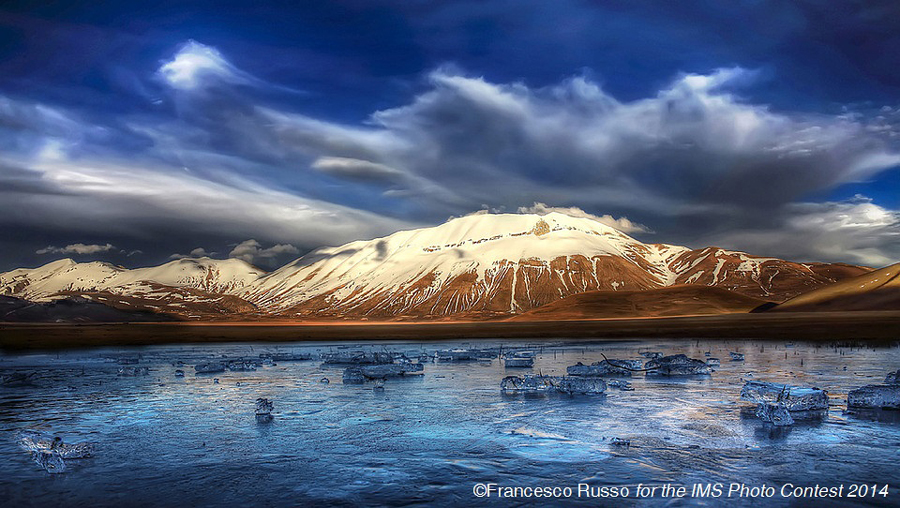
pixel 225 156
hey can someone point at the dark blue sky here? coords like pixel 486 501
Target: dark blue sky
pixel 166 127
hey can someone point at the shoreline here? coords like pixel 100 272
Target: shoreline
pixel 810 326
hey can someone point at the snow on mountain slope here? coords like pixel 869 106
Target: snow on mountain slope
pixel 768 278
pixel 497 263
pixel 503 263
pixel 480 265
pixel 227 276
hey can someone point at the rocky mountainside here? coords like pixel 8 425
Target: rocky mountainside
pixel 483 265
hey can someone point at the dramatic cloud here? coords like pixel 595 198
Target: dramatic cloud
pixel 196 65
pixel 76 248
pixel 694 160
pixel 855 231
pixel 622 223
pixel 695 144
pixel 253 252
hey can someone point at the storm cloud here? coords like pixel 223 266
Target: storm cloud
pixel 214 150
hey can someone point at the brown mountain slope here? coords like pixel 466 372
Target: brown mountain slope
pixel 681 300
pixel 772 279
pixel 876 290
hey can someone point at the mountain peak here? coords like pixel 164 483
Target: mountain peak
pixel 477 265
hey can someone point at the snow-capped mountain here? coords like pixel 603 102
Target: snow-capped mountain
pixel 484 265
pixel 188 287
pixel 509 263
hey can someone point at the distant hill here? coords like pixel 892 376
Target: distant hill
pixel 670 301
pixel 876 290
pixel 69 310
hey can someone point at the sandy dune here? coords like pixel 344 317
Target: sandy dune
pixel 876 290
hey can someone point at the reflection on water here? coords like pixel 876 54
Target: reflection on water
pixel 167 440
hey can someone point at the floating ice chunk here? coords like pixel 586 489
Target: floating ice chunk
pixel 379 385
pixel 324 381
pixel 36 441
pixel 621 384
pixel 358 358
pixel 133 371
pixel 793 398
pixel 76 450
pixel 893 378
pixel 676 365
pixel 620 442
pixel 50 462
pixel 519 354
pixel 737 357
pixel 651 355
pixel 775 413
pixel 465 355
pixel 580 385
pixel 875 397
pixel 264 409
pixel 179 373
pixel 241 365
pixel 391 370
pixel 526 384
pixel 209 368
pixel 562 384
pixel 286 357
pixel 353 376
pixel 605 368
pixel 48 450
pixel 713 362
pixel 518 362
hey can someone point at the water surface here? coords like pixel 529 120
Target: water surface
pixel 426 440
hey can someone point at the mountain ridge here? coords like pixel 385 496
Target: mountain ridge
pixel 484 265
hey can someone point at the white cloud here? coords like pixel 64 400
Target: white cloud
pixel 467 141
pixel 195 64
pixel 199 252
pixel 855 231
pixel 252 251
pixel 622 223
pixel 76 248
pixel 118 196
pixel 692 150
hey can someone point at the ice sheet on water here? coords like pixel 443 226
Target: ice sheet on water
pixel 467 420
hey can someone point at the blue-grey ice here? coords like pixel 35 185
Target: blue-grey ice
pixel 676 365
pixel 775 413
pixel 561 384
pixel 875 397
pixel 264 409
pixel 606 368
pixel 793 398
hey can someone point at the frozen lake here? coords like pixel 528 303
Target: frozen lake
pixel 427 440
